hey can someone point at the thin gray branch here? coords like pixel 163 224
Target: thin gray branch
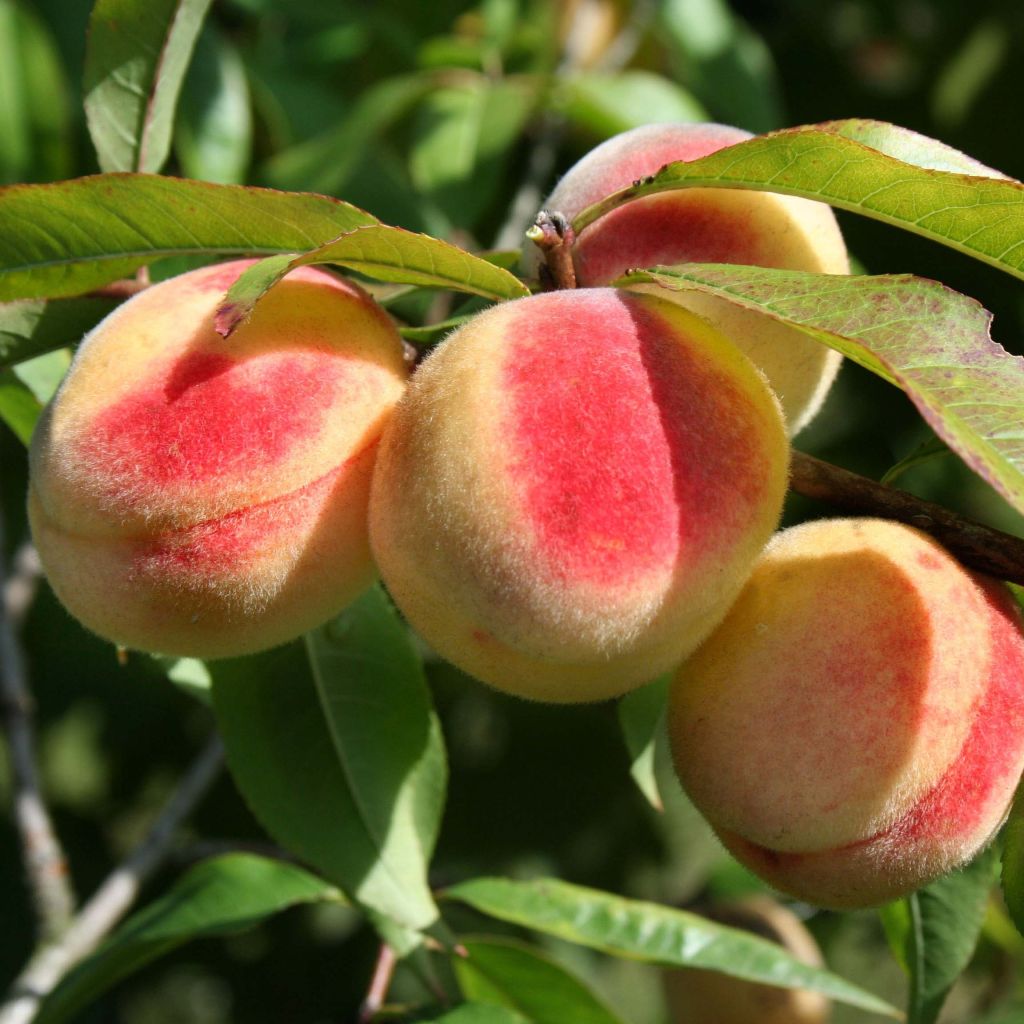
pixel 114 897
pixel 45 864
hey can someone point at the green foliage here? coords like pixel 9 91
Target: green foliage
pixel 384 121
pixel 655 934
pixel 339 754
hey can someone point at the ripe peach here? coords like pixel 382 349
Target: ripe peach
pixel 707 225
pixel 854 728
pixel 573 490
pixel 709 997
pixel 197 496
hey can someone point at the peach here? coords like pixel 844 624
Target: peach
pixel 574 488
pixel 196 496
pixel 854 728
pixel 697 996
pixel 708 225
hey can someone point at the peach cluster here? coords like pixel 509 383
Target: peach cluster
pixel 571 496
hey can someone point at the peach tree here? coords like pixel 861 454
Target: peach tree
pixel 426 192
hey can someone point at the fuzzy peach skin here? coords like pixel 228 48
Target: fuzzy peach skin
pixel 855 726
pixel 196 496
pixel 706 225
pixel 573 490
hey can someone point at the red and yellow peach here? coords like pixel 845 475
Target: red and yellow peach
pixel 196 496
pixel 573 490
pixel 854 728
pixel 708 225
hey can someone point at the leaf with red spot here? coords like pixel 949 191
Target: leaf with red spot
pixel 920 335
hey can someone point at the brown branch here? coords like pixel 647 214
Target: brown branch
pixel 553 235
pixel 976 545
pixel 113 898
pixel 42 855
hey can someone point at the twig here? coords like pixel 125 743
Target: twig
pixel 379 984
pixel 45 864
pixel 113 898
pixel 123 289
pixel 553 235
pixel 981 547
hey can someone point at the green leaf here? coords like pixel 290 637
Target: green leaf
pixel 434 332
pixel 213 135
pixel 380 251
pixel 35 123
pixel 190 674
pixel 945 921
pixel 1012 877
pixel 927 339
pixel 326 162
pixel 67 238
pixel 337 750
pixel 220 896
pixel 640 717
pixel 928 450
pixel 980 216
pixel 480 1013
pixel 463 133
pixel 135 61
pixel 652 933
pixel 722 60
pixel 32 327
pixel 609 104
pixel 504 972
pixel 19 408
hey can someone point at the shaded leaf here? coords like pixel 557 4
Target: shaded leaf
pixel 504 972
pixel 213 135
pixel 339 754
pixel 32 327
pixel 980 216
pixel 325 162
pixel 609 104
pixel 927 339
pixel 19 408
pixel 945 922
pixel 136 56
pixel 217 897
pixel 434 332
pixel 723 61
pixel 640 717
pixel 652 933
pixel 928 450
pixel 1012 877
pixel 463 133
pixel 381 251
pixel 67 238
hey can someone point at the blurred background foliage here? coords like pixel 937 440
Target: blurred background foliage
pixel 432 116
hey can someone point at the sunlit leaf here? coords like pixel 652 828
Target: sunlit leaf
pixel 135 62
pixel 381 251
pixel 641 714
pixel 929 340
pixel 70 237
pixel 339 754
pixel 981 216
pixel 652 933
